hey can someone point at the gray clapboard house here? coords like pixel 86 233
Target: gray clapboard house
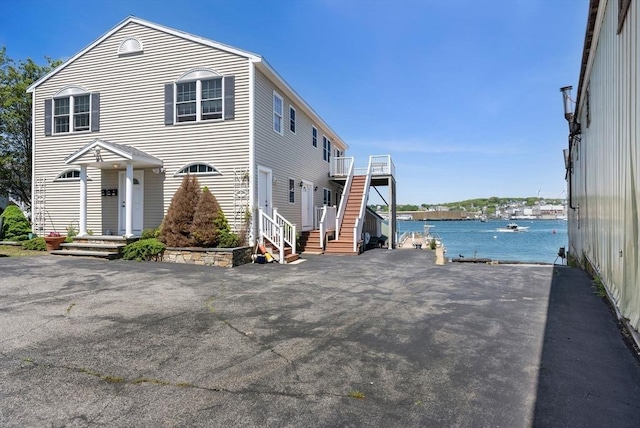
pixel 118 125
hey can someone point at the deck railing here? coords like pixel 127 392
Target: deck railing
pixel 380 165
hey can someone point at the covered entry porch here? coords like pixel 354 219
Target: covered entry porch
pixel 127 196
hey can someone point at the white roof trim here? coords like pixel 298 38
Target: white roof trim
pixel 254 58
pixel 132 19
pixel 126 152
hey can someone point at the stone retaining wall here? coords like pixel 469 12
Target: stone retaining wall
pixel 223 257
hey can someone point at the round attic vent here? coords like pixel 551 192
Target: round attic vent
pixel 129 46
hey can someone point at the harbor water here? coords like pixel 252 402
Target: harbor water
pixel 539 243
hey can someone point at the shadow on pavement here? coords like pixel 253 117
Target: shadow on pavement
pixel 589 375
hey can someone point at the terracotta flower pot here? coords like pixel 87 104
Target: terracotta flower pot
pixel 53 242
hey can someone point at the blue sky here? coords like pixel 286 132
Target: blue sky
pixel 464 94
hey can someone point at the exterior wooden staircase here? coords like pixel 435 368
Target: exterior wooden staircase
pixel 344 243
pixel 288 253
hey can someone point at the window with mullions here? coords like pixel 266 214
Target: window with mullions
pixel 326 196
pixel 292 119
pixel 314 136
pixel 277 113
pixel 80 117
pixel 198 169
pixel 326 152
pixel 292 191
pixel 199 100
pixel 69 175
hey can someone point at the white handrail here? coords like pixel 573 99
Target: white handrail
pixel 343 200
pixel 288 229
pixel 270 230
pixel 327 223
pixel 357 228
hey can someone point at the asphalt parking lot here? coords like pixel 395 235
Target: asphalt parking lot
pixel 383 339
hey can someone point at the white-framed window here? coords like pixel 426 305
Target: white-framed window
pixel 292 190
pixel 71 114
pixel 72 109
pixel 314 136
pixel 292 119
pixel 198 168
pixel 326 149
pixel 199 100
pixel 72 174
pixel 326 196
pixel 278 105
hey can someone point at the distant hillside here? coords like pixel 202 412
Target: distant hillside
pixel 474 205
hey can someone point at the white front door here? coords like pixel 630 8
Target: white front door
pixel 264 190
pixel 138 201
pixel 306 201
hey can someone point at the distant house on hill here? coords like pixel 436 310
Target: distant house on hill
pixel 603 157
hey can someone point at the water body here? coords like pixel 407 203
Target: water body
pixel 476 239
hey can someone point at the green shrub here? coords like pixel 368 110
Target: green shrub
pixel 433 244
pixel 15 226
pixel 143 250
pixel 150 233
pixel 35 244
pixel 71 232
pixel 228 240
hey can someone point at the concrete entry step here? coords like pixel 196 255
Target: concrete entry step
pixel 83 253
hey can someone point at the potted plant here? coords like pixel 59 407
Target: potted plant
pixel 53 241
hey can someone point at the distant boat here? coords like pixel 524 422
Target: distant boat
pixel 513 227
pixel 404 217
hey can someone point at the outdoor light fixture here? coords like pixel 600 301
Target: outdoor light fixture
pixel 115 165
pixel 301 183
pixel 574 137
pixel 574 127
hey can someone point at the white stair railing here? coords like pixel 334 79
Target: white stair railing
pixel 270 230
pixel 288 229
pixel 357 228
pixel 345 196
pixel 327 223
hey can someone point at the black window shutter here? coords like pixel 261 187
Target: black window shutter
pixel 229 97
pixel 168 104
pixel 47 116
pixel 95 112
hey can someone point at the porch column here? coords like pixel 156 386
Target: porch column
pixel 128 202
pixel 83 201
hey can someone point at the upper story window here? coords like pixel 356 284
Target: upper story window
pixel 277 112
pixel 292 119
pixel 200 95
pixel 314 136
pixel 72 110
pixel 326 149
pixel 198 169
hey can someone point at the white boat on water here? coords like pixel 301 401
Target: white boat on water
pixel 513 227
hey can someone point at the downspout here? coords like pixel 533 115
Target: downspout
pixel 574 134
pixel 252 166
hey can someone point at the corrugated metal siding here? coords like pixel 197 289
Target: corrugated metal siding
pixel 289 155
pixel 606 182
pixel 132 113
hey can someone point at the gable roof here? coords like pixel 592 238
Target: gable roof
pixel 122 150
pixel 256 59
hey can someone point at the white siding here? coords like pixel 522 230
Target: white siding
pixel 606 181
pixel 291 154
pixel 132 113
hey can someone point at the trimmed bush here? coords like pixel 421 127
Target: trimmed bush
pixel 143 250
pixel 205 230
pixel 35 244
pixel 150 233
pixel 15 226
pixel 229 240
pixel 176 226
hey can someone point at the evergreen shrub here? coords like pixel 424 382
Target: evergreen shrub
pixel 143 250
pixel 15 226
pixel 35 244
pixel 176 227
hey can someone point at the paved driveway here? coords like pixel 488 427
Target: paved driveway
pixel 383 339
